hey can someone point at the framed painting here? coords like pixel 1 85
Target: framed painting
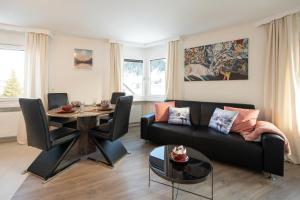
pixel 83 59
pixel 220 61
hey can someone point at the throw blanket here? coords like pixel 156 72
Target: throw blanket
pixel 266 127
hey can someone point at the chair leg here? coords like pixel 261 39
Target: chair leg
pixel 49 163
pixel 111 151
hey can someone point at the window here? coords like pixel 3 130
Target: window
pixel 157 77
pixel 144 82
pixel 133 75
pixel 11 73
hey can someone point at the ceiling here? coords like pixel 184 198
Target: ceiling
pixel 139 21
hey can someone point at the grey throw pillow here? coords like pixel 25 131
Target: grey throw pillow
pixel 179 116
pixel 222 120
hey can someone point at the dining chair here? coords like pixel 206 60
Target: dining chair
pixel 113 100
pixel 56 100
pixel 56 145
pixel 106 136
pixel 115 96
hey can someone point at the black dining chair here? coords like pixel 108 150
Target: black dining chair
pixel 55 145
pixel 115 96
pixel 113 100
pixel 106 135
pixel 56 100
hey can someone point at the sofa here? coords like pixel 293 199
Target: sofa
pixel 266 155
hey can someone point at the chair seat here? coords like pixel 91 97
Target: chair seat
pixel 106 118
pixel 62 135
pixel 102 131
pixel 101 135
pixel 62 122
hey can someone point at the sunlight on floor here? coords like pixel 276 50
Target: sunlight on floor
pixel 14 159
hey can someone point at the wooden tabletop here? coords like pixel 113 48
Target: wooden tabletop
pixel 88 111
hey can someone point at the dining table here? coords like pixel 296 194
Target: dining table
pixel 86 117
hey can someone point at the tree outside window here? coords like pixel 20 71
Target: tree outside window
pixel 11 73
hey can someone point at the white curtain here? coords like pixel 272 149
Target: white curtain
pixel 36 73
pixel 116 61
pixel 282 80
pixel 173 80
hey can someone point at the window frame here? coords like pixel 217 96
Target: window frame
pixel 146 80
pixel 155 97
pixel 11 102
pixel 137 60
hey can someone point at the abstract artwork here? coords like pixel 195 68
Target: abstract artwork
pixel 220 61
pixel 83 58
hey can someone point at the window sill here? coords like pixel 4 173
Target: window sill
pixel 148 98
pixel 9 104
pixel 10 109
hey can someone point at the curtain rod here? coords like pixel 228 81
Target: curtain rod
pixel 277 16
pixel 146 45
pixel 9 27
pixel 8 44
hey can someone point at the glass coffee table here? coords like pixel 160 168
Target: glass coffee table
pixel 196 170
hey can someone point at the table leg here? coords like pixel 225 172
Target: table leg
pixel 212 184
pixel 172 190
pixel 149 178
pixel 85 144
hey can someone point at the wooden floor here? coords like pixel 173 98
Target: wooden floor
pixel 14 159
pixel 129 180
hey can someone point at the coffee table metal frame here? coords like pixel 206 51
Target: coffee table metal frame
pixel 173 181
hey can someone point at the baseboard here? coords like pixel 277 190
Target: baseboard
pixel 8 139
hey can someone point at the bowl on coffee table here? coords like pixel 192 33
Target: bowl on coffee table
pixel 179 154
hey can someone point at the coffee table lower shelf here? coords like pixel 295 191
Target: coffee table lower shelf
pixel 174 197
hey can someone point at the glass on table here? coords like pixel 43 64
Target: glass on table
pixel 82 105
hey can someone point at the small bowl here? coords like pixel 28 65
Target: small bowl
pixel 67 107
pixel 76 103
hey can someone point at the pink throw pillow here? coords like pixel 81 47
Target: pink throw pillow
pixel 162 111
pixel 245 121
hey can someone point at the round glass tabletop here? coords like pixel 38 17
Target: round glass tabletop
pixel 195 170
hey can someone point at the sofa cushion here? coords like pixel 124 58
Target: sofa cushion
pixel 195 110
pixel 162 111
pixel 246 119
pixel 207 110
pixel 179 116
pixel 230 148
pixel 222 120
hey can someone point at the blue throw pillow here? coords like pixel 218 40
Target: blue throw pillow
pixel 179 116
pixel 222 120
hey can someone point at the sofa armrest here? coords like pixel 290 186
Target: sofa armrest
pixel 273 147
pixel 146 120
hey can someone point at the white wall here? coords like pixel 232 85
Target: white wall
pixel 236 91
pixel 9 122
pixel 12 37
pixel 82 85
pixel 156 52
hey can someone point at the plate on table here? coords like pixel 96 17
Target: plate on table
pixel 64 111
pixel 183 160
pixel 104 108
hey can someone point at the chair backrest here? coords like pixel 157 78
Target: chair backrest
pixel 121 117
pixel 115 96
pixel 36 123
pixel 56 100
